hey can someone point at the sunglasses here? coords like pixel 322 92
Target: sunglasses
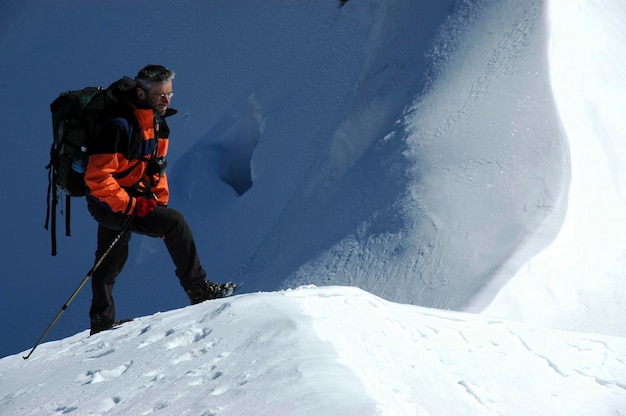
pixel 168 96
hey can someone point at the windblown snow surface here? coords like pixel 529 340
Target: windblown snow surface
pixel 318 351
pixel 421 201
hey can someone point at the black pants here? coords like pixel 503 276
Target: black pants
pixel 162 222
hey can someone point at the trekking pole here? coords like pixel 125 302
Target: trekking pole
pixel 80 286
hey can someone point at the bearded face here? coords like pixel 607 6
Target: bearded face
pixel 158 97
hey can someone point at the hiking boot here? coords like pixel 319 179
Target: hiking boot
pixel 98 325
pixel 207 290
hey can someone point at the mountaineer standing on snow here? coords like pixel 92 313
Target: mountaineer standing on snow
pixel 126 181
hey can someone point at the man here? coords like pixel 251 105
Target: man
pixel 126 181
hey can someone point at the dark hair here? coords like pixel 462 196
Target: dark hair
pixel 153 74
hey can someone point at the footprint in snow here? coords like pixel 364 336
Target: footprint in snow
pixel 99 376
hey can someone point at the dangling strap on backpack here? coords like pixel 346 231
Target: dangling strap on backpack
pixel 51 204
pixel 51 212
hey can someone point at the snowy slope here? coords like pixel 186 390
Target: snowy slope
pixel 318 351
pixel 449 195
pixel 578 281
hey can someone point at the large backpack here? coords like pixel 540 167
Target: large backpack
pixel 75 116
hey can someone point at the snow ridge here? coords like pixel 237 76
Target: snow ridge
pixel 318 351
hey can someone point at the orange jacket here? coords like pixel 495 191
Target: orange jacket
pixel 124 148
